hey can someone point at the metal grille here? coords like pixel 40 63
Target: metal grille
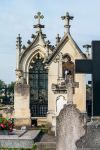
pixel 38 79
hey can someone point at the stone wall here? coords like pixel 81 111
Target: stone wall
pixel 70 127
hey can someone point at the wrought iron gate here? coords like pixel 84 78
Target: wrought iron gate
pixel 38 79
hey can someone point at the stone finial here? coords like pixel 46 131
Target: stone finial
pixel 87 47
pixel 24 47
pixel 47 48
pixel 29 42
pixel 33 36
pixel 44 36
pixel 67 19
pixel 52 47
pixel 58 39
pixel 18 47
pixel 39 17
pixel 18 42
pixel 47 43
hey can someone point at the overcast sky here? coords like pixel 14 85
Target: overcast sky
pixel 17 16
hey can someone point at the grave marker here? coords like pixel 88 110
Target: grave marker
pixel 92 67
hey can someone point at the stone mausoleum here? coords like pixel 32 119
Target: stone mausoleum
pixel 40 90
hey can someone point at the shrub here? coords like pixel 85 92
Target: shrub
pixel 6 123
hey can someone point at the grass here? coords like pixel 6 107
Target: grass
pixel 34 147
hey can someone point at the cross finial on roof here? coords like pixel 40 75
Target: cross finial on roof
pixel 18 42
pixel 39 17
pixel 67 19
pixel 58 39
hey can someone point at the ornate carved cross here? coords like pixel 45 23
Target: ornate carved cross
pixel 67 19
pixel 39 17
pixel 70 84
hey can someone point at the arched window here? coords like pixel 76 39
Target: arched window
pixel 67 66
pixel 38 80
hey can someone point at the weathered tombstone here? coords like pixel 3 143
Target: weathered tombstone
pixel 91 139
pixel 69 122
pixel 69 128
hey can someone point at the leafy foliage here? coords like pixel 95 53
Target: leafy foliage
pixel 6 123
pixel 6 91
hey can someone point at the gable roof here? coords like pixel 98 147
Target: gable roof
pixel 33 44
pixel 61 43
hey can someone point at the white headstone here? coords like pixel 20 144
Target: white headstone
pixel 60 102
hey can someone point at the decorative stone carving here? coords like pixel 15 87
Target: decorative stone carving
pixel 19 77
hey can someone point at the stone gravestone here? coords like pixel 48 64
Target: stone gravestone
pixel 60 103
pixel 69 128
pixel 91 140
pixel 70 122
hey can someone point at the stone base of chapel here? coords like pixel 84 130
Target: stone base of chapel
pixel 19 122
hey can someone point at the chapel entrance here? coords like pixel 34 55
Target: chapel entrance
pixel 38 80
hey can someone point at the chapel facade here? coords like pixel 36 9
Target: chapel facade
pixel 41 70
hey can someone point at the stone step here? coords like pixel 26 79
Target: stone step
pixel 46 145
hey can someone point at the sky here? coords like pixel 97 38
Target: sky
pixel 17 16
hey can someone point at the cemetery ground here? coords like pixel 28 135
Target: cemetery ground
pixel 45 138
pixel 33 138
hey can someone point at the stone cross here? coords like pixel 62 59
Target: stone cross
pixel 57 39
pixel 39 17
pixel 67 19
pixel 70 85
pixel 92 67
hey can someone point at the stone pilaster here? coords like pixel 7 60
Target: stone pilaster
pixel 22 105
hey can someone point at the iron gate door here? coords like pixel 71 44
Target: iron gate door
pixel 38 80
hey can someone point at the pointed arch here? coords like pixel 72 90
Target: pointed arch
pixel 38 81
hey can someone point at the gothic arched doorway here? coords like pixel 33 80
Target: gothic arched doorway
pixel 38 80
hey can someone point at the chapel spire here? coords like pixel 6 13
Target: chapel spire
pixel 18 47
pixel 39 26
pixel 67 19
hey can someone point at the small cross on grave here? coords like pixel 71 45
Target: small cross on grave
pixel 92 67
pixel 70 84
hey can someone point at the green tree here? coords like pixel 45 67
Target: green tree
pixel 6 91
pixel 2 85
pixel 11 88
